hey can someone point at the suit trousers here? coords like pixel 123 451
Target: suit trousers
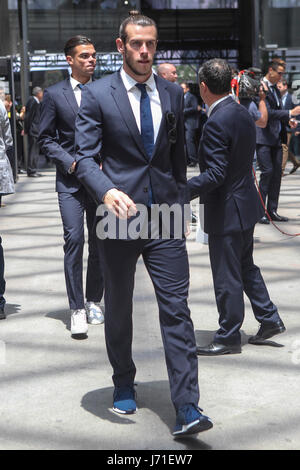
pixel 190 142
pixel 2 280
pixel 72 208
pixel 33 154
pixel 270 163
pixel 234 273
pixel 167 265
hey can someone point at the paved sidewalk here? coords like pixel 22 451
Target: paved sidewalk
pixel 56 392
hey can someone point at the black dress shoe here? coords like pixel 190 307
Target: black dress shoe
pixel 267 331
pixel 217 349
pixel 295 168
pixel 34 175
pixel 277 217
pixel 264 220
pixel 2 314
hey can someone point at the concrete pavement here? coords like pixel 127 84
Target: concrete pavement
pixel 56 392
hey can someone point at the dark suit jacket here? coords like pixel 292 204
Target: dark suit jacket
pixel 106 123
pixel 32 117
pixel 276 114
pixel 226 185
pixel 57 132
pixel 190 111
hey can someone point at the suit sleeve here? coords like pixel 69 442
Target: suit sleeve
pixel 88 143
pixel 48 135
pixel 277 114
pixel 178 156
pixel 215 154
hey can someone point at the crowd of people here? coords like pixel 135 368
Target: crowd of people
pixel 121 141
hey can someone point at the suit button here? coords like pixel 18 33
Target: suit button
pixel 145 190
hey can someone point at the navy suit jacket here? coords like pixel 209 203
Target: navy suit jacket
pixel 225 184
pixel 57 132
pixel 32 117
pixel 106 124
pixel 190 111
pixel 276 114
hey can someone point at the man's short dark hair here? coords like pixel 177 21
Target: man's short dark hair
pixel 276 63
pixel 78 40
pixel 136 18
pixel 216 74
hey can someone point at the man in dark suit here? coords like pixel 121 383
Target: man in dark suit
pixel 269 143
pixel 287 103
pixel 31 129
pixel 231 210
pixel 57 128
pixel 191 122
pixel 135 119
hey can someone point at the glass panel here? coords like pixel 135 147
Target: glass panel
pixel 284 3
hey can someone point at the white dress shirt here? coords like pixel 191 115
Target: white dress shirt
pixel 76 89
pixel 134 95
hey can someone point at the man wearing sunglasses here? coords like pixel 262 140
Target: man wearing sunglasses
pixel 269 142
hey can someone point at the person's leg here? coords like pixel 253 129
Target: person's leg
pixel 94 274
pixel 264 159
pixel 72 213
pixel 275 181
pixel 191 146
pixel 254 285
pixel 225 257
pixel 119 258
pixel 167 264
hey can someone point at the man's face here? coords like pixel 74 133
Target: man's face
pixel 282 88
pixel 170 73
pixel 40 96
pixel 138 51
pixel 82 61
pixel 184 87
pixel 274 76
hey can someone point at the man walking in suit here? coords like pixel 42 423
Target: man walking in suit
pixel 231 210
pixel 191 123
pixel 136 120
pixel 31 129
pixel 269 143
pixel 288 104
pixel 57 135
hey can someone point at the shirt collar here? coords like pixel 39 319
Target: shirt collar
pixel 75 83
pixel 215 104
pixel 129 82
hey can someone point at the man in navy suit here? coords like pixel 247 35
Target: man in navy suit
pixel 135 119
pixel 231 210
pixel 31 129
pixel 57 139
pixel 287 103
pixel 269 143
pixel 191 123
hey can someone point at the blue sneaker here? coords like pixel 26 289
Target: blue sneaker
pixel 190 420
pixel 124 400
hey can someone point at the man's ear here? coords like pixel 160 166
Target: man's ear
pixel 69 59
pixel 120 45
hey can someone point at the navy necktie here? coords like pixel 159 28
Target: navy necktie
pixel 147 131
pixel 80 86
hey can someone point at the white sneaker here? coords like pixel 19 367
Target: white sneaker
pixel 94 313
pixel 79 324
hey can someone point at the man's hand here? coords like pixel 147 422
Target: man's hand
pixel 295 111
pixel 293 123
pixel 120 204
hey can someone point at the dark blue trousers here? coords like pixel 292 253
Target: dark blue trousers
pixel 167 265
pixel 234 273
pixel 73 206
pixel 270 164
pixel 2 280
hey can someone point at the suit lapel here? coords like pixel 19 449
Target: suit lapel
pixel 120 96
pixel 69 95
